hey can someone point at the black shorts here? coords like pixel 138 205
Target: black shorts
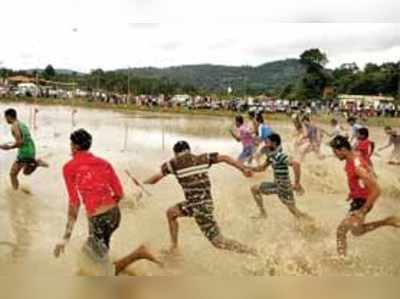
pixel 357 204
pixel 101 228
pixel 29 165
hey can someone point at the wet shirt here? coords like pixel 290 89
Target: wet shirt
pixel 366 149
pixel 246 135
pixel 279 161
pixel 27 150
pixel 91 180
pixel 356 185
pixel 264 131
pixel 191 172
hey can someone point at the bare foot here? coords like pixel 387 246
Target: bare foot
pixel 173 251
pixel 393 221
pixel 26 190
pixel 42 163
pixel 145 253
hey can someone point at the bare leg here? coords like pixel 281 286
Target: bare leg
pixel 297 213
pixel 15 170
pixel 227 244
pixel 355 224
pixel 255 190
pixel 341 237
pixel 172 215
pixel 141 253
pixel 364 228
pixel 42 163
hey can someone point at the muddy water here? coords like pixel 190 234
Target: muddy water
pixel 30 225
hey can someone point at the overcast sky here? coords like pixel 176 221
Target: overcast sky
pixel 109 34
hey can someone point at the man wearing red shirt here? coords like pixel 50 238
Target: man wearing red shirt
pixel 364 191
pixel 364 147
pixel 93 181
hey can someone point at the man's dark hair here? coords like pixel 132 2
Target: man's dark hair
pixel 388 128
pixel 239 119
pixel 260 118
pixel 306 118
pixel 351 119
pixel 363 132
pixel 340 142
pixel 11 113
pixel 275 138
pixel 334 121
pixel 252 114
pixel 82 139
pixel 181 146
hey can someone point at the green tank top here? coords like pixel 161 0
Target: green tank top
pixel 27 150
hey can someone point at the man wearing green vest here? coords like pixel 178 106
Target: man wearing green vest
pixel 26 159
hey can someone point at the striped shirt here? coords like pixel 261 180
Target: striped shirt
pixel 279 162
pixel 191 172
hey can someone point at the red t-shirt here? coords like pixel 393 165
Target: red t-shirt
pixel 356 185
pixel 365 148
pixel 92 180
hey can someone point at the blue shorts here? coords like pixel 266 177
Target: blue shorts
pixel 285 194
pixel 247 153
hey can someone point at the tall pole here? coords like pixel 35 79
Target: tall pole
pixel 398 86
pixel 129 88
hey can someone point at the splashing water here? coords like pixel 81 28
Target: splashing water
pixel 30 225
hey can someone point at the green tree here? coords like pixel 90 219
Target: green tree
pixel 314 57
pixel 312 84
pixel 49 72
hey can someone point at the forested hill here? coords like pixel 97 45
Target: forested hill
pixel 269 76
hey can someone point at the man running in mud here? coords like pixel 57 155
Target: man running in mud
pixel 264 130
pixel 280 162
pixel 314 138
pixel 191 172
pixel 26 157
pixel 244 134
pixel 355 126
pixel 364 192
pixel 365 147
pixel 298 135
pixel 394 140
pixel 337 129
pixel 93 181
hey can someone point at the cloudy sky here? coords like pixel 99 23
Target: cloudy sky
pixel 109 34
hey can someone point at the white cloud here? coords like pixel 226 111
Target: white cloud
pixel 117 34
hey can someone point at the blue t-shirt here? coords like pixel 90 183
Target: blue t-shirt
pixel 264 131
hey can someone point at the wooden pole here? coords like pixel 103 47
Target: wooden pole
pixel 126 137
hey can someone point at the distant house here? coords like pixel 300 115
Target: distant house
pixel 27 89
pixel 366 100
pixel 15 80
pixel 180 98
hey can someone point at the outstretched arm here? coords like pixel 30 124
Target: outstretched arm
pixel 297 173
pixel 260 168
pixel 232 162
pixel 386 146
pixel 154 179
pixel 234 135
pixel 18 140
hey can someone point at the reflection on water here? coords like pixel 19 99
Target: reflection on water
pixel 141 143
